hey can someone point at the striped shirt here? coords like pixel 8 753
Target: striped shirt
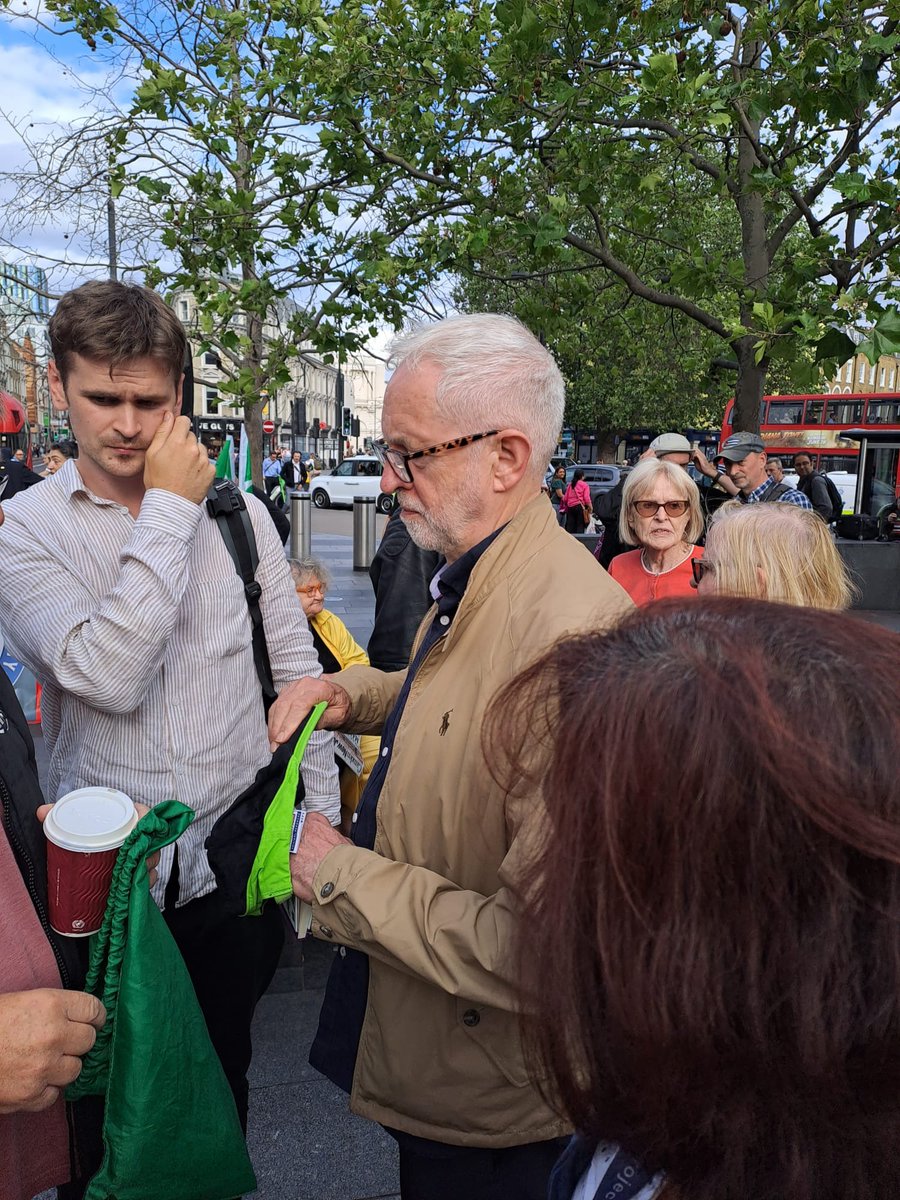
pixel 759 495
pixel 138 630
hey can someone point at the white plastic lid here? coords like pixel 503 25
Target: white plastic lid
pixel 90 819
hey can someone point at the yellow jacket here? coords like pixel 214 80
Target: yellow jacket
pixel 339 640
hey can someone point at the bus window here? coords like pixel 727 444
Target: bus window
pixel 884 412
pixel 785 412
pixel 844 412
pixel 814 411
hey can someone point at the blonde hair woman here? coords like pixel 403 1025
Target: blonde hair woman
pixel 661 515
pixel 774 552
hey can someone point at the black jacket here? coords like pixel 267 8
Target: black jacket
pixel 400 574
pixel 15 477
pixel 20 795
pixel 815 489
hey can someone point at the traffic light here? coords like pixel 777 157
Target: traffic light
pixel 354 428
pixel 345 421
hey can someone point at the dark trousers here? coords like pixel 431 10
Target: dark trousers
pixel 428 1172
pixel 231 961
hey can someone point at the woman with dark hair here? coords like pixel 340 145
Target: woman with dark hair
pixel 576 504
pixel 719 915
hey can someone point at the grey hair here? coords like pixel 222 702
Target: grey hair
pixel 494 374
pixel 641 480
pixel 309 568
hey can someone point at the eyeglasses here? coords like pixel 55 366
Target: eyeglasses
pixel 399 462
pixel 312 589
pixel 649 508
pixel 700 567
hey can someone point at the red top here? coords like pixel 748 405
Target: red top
pixel 34 1147
pixel 643 586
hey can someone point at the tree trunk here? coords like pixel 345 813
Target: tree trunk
pixel 754 252
pixel 253 424
pixel 750 387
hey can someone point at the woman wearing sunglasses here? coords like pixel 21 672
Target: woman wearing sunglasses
pixel 661 515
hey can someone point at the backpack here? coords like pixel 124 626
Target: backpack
pixel 837 500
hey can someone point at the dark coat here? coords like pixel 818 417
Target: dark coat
pixel 400 574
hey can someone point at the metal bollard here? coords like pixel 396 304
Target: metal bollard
pixel 301 525
pixel 363 532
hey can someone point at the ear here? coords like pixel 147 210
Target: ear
pixel 512 459
pixel 179 395
pixel 57 391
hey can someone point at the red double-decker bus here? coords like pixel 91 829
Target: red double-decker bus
pixel 14 431
pixel 814 424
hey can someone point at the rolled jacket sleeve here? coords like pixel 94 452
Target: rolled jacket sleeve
pixel 372 693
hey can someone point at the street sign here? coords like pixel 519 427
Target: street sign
pixel 268 426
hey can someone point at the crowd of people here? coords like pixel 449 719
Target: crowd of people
pixel 613 782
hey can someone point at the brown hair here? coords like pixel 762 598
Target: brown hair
pixel 114 323
pixel 717 900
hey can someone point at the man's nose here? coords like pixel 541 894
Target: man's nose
pixel 391 481
pixel 128 421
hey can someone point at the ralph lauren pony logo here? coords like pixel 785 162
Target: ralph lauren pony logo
pixel 445 724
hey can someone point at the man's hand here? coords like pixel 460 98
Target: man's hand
pixel 702 463
pixel 176 462
pixel 317 839
pixel 43 1036
pixel 296 701
pixel 141 810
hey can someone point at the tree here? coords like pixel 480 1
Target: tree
pixel 736 167
pixel 223 144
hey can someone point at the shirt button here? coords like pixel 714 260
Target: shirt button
pixel 384 751
pixel 471 1017
pixel 327 889
pixel 445 620
pixel 325 931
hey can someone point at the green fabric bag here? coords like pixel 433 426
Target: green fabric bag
pixel 170 1127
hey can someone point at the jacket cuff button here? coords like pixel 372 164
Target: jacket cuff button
pixel 326 890
pixel 471 1017
pixel 325 931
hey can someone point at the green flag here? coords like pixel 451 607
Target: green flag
pixel 225 461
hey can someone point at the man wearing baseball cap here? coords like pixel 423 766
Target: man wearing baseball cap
pixel 743 457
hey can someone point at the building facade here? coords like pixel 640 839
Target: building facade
pixel 859 375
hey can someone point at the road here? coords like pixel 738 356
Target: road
pixel 338 521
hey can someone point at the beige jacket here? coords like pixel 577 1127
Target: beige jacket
pixel 433 904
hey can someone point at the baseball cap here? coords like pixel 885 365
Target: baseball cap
pixel 739 445
pixel 670 443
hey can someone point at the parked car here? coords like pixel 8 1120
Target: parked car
pixel 600 477
pixel 360 476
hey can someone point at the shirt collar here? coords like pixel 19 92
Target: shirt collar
pixel 68 477
pixel 449 583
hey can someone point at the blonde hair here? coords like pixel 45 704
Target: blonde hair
pixel 639 483
pixel 777 552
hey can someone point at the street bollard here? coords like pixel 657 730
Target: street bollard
pixel 301 525
pixel 363 532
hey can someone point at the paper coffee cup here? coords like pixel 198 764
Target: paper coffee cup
pixel 84 831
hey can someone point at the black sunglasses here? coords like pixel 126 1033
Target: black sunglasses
pixel 700 567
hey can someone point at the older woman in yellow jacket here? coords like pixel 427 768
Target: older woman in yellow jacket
pixel 336 649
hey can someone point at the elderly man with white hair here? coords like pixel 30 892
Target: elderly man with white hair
pixel 419 1021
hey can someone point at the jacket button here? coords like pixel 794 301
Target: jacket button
pixel 325 931
pixel 327 889
pixel 471 1017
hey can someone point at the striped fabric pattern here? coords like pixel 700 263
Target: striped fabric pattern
pixel 139 632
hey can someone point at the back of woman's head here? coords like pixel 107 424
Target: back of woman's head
pixel 717 901
pixel 776 552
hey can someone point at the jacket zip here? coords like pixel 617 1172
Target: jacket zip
pixel 23 856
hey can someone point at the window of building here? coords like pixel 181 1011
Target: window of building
pixel 183 310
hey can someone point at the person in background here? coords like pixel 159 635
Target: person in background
pixel 774 469
pixel 337 649
pixel 718 912
pixel 57 456
pixel 14 475
pixel 661 515
pixel 294 473
pixel 575 504
pixel 773 552
pixel 742 460
pixel 19 456
pixel 557 489
pixel 813 486
pixel 400 572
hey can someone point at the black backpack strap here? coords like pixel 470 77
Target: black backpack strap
pixel 776 490
pixel 225 502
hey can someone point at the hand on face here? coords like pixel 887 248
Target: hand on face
pixel 176 462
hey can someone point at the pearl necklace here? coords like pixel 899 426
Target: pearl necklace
pixel 684 558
